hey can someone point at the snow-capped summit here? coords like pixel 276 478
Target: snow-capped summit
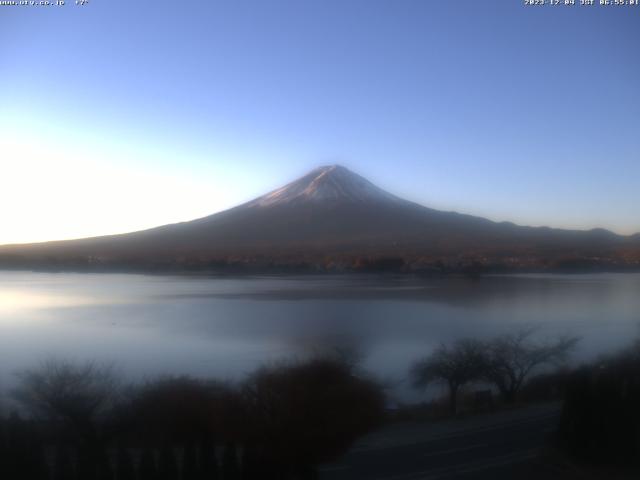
pixel 330 183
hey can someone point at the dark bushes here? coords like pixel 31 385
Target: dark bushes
pixel 306 414
pixel 21 450
pixel 280 423
pixel 600 420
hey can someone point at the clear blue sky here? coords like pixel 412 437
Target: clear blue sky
pixel 123 114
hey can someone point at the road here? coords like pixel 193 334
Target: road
pixel 495 446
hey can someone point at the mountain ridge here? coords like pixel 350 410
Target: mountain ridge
pixel 334 219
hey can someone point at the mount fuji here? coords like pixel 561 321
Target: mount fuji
pixel 334 219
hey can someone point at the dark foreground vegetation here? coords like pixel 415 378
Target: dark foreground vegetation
pixel 76 422
pixel 599 427
pixel 600 422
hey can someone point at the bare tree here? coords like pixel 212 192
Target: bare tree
pixel 455 366
pixel 72 394
pixel 512 357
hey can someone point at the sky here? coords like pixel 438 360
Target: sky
pixel 118 116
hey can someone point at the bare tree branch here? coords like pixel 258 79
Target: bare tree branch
pixel 512 357
pixel 462 363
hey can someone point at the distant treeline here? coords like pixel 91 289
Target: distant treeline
pixel 347 263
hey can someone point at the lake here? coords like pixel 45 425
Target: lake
pixel 150 325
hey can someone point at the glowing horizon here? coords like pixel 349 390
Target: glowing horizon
pixel 78 198
pixel 445 105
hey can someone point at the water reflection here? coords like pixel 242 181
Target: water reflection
pixel 225 327
pixel 12 302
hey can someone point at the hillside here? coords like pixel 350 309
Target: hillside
pixel 334 219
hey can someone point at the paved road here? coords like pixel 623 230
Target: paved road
pixel 494 446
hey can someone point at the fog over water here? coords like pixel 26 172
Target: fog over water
pixel 225 327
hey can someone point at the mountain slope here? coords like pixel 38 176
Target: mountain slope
pixel 331 215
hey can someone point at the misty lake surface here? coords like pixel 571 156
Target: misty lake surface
pixel 149 325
